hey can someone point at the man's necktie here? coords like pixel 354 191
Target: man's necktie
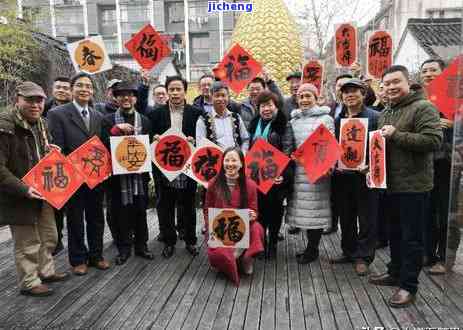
pixel 86 118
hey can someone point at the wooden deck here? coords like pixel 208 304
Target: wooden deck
pixel 184 293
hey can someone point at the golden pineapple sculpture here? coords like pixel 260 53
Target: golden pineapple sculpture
pixel 270 34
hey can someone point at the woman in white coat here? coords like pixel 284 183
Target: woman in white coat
pixel 309 205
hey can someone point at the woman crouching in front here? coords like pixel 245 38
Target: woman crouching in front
pixel 231 189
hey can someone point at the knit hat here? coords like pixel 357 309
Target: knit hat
pixel 308 87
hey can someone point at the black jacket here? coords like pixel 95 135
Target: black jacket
pixel 49 104
pixel 160 122
pixel 141 106
pixel 68 129
pixel 275 138
pixel 108 122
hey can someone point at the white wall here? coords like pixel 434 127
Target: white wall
pixel 410 54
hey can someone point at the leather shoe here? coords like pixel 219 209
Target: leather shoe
pixel 341 260
pixel 168 251
pixel 122 258
pixel 56 277
pixel 383 279
pixel 192 249
pixel 361 268
pixel 80 270
pixel 40 290
pixel 146 254
pixel 437 269
pixel 306 258
pixel 100 264
pixel 401 298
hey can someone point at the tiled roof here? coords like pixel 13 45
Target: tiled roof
pixel 436 34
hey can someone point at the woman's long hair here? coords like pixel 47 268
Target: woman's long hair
pixel 221 181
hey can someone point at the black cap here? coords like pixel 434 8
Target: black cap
pixel 354 82
pixel 124 86
pixel 295 74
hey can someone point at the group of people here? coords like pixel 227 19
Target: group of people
pixel 410 215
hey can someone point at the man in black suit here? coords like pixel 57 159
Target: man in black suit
pixel 71 125
pixel 180 193
pixel 129 192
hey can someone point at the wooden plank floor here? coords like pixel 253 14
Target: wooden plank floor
pixel 185 293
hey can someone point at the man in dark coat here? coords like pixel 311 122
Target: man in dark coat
pixel 129 193
pixel 71 125
pixel 24 140
pixel 358 204
pixel 412 131
pixel 181 191
pixel 294 80
pixel 61 94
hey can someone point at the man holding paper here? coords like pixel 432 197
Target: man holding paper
pixel 412 130
pixel 355 199
pixel 129 192
pixel 24 140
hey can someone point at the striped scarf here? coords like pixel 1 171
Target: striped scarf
pixel 131 184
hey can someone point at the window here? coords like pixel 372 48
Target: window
pixel 134 17
pixel 200 49
pixel 111 45
pixel 69 21
pixel 108 21
pixel 175 12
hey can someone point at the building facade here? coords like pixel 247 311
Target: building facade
pixel 117 20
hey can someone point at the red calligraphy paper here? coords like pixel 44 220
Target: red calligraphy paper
pixel 377 147
pixel 237 68
pixel 446 91
pixel 313 74
pixel 147 47
pixel 353 141
pixel 55 178
pixel 205 164
pixel 346 44
pixel 93 161
pixel 379 56
pixel 171 153
pixel 318 153
pixel 265 163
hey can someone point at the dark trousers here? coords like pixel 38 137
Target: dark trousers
pixel 436 229
pixel 179 209
pixel 59 219
pixel 313 241
pixel 110 218
pixel 130 223
pixel 183 200
pixel 383 219
pixel 358 216
pixel 86 205
pixel 271 214
pixel 406 237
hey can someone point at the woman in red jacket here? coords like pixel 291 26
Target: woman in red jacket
pixel 232 189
